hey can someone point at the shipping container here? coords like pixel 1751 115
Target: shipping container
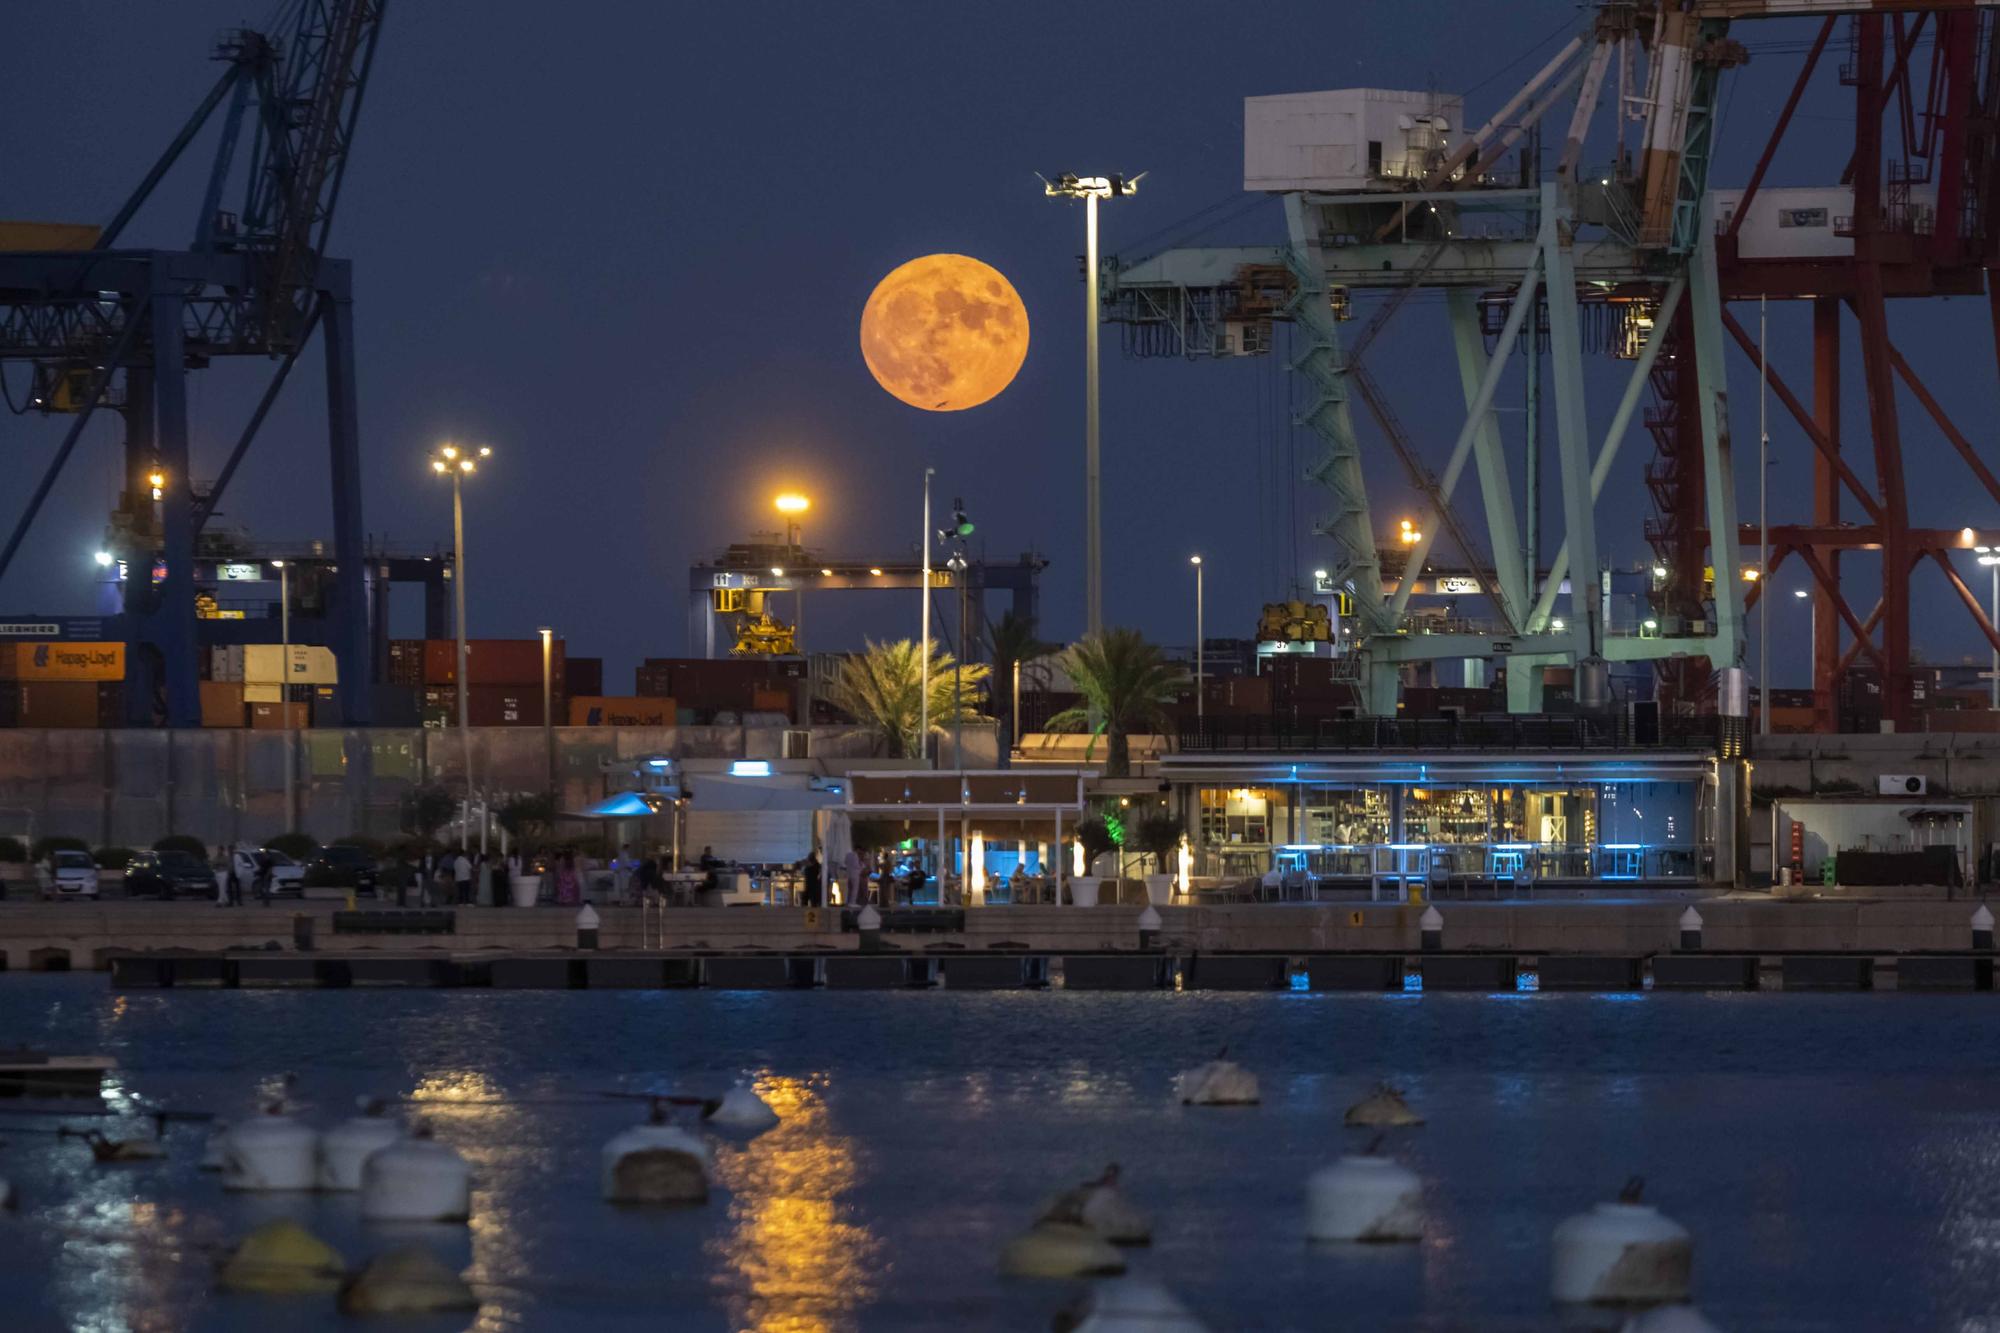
pixel 485 705
pixel 598 711
pixel 326 707
pixel 280 717
pixel 62 662
pixel 396 705
pixel 59 703
pixel 265 664
pixel 406 662
pixel 764 699
pixel 493 662
pixel 583 676
pixel 225 662
pixel 222 703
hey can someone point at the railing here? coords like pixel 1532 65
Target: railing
pixel 1614 732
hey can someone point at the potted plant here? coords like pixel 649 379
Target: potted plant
pixel 1160 835
pixel 1094 836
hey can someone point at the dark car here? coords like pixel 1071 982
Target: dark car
pixel 341 866
pixel 168 875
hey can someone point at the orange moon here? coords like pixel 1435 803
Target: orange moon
pixel 944 332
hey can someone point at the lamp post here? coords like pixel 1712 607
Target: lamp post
pixel 548 721
pixel 1989 556
pixel 458 464
pixel 285 687
pixel 792 504
pixel 1090 189
pixel 924 658
pixel 1200 644
pixel 1812 644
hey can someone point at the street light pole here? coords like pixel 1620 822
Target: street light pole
pixel 1090 189
pixel 548 721
pixel 1200 646
pixel 1990 557
pixel 459 464
pixel 1763 522
pixel 285 691
pixel 924 659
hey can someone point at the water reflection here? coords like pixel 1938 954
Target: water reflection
pixel 794 1260
pixel 121 1263
pixel 469 1110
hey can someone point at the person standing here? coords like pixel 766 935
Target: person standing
pixel 850 867
pixel 461 874
pixel 811 877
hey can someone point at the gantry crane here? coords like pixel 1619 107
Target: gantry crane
pixel 1638 255
pixel 105 325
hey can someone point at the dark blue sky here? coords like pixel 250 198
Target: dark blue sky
pixel 628 246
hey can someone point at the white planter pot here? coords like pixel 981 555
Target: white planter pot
pixel 1159 889
pixel 526 889
pixel 1083 890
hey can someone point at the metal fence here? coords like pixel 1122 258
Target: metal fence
pixel 1506 732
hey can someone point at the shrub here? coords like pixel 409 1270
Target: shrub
pixel 529 818
pixel 428 809
pixel 112 858
pixel 373 846
pixel 12 851
pixel 1095 835
pixel 296 845
pixel 1161 835
pixel 56 842
pixel 182 842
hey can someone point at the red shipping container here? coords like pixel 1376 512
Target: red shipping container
pixel 272 717
pixel 492 662
pixel 59 703
pixel 583 675
pixel 504 705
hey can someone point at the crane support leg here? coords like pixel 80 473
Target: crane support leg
pixel 350 610
pixel 1572 424
pixel 1718 463
pixel 173 615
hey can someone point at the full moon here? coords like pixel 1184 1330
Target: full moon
pixel 944 332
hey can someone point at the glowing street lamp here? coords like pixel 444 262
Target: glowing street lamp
pixel 1090 189
pixel 104 559
pixel 158 481
pixel 1200 704
pixel 1990 557
pixel 1408 534
pixel 458 463
pixel 791 504
pixel 285 689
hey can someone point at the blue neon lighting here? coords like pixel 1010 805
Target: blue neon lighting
pixel 750 768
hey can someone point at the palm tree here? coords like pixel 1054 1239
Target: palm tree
pixel 881 687
pixel 1127 684
pixel 1011 643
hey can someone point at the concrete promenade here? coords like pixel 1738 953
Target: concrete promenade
pixel 83 936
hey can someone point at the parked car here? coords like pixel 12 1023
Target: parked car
pixel 171 874
pixel 287 875
pixel 342 866
pixel 69 875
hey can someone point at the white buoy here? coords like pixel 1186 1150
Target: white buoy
pixel 215 1152
pixel 270 1152
pixel 656 1163
pixel 1060 1250
pixel 345 1148
pixel 1217 1083
pixel 742 1109
pixel 416 1179
pixel 1669 1319
pixel 1623 1253
pixel 1104 1208
pixel 1383 1108
pixel 1366 1198
pixel 1133 1305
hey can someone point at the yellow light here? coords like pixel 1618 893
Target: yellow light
pixel 485 451
pixel 826 573
pixel 465 465
pixel 1751 574
pixel 437 465
pixel 876 572
pixel 791 502
pixel 1407 533
pixel 449 451
pixel 156 479
pixel 777 571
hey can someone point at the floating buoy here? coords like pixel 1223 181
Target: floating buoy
pixel 406 1281
pixel 416 1179
pixel 215 1152
pixel 656 1163
pixel 1623 1253
pixel 1129 1305
pixel 1061 1250
pixel 1383 1108
pixel 1103 1207
pixel 345 1148
pixel 741 1108
pixel 1217 1083
pixel 1367 1198
pixel 1669 1319
pixel 270 1152
pixel 282 1258
pixel 107 1151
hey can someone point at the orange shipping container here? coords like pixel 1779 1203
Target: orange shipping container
pixel 598 711
pixel 63 661
pixel 222 703
pixel 59 703
pixel 765 700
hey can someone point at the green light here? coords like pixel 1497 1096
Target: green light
pixel 1115 826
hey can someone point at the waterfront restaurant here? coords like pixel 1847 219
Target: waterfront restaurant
pixel 1452 821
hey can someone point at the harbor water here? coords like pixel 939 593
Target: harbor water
pixel 1834 1156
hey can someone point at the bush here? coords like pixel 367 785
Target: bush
pixel 56 842
pixel 1161 836
pixel 428 809
pixel 12 851
pixel 375 847
pixel 296 845
pixel 1095 835
pixel 112 858
pixel 182 842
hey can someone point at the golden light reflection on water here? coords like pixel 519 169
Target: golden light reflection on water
pixel 469 1110
pixel 121 1259
pixel 793 1261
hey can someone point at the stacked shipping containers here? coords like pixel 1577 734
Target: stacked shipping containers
pixel 49 684
pixel 704 687
pixel 503 680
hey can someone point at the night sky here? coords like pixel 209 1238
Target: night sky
pixel 628 246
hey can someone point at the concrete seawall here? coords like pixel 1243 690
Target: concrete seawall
pixel 84 936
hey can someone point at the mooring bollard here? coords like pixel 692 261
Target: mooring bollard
pixel 869 923
pixel 1691 930
pixel 1431 923
pixel 586 927
pixel 1982 929
pixel 302 932
pixel 1149 928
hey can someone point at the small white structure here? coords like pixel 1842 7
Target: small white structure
pixel 1669 1319
pixel 1220 1082
pixel 416 1179
pixel 270 1152
pixel 345 1149
pixel 1134 1305
pixel 1622 1253
pixel 1366 1198
pixel 1347 140
pixel 742 1109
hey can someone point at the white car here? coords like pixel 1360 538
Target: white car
pixel 69 875
pixel 287 875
